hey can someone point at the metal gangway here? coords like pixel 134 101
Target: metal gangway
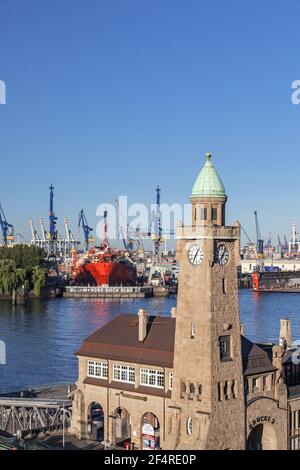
pixel 24 416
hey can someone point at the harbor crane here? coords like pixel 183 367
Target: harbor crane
pixel 286 245
pixel 259 241
pixel 34 235
pixel 132 238
pixel 52 225
pixel 6 228
pixel 246 235
pixel 82 222
pixel 157 230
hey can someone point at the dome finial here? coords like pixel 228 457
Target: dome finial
pixel 208 183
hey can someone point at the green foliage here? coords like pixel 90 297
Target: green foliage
pixel 11 277
pixel 39 279
pixel 22 266
pixel 25 257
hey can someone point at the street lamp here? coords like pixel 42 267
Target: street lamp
pixel 63 425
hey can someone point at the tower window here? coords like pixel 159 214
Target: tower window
pixel 189 426
pixel 254 385
pixel 214 213
pixel 203 213
pixel 225 390
pixel 233 388
pixel 193 330
pixel 225 352
pixel 223 286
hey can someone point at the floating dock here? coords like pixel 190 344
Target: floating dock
pixel 108 291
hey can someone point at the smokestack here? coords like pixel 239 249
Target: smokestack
pixel 285 335
pixel 143 320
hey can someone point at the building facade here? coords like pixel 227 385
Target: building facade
pixel 191 380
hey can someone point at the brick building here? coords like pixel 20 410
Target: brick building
pixel 191 380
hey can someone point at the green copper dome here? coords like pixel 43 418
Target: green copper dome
pixel 208 183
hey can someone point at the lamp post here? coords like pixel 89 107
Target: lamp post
pixel 63 425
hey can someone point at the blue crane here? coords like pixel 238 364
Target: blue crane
pixel 6 228
pixel 52 224
pixel 259 241
pixel 82 222
pixel 157 230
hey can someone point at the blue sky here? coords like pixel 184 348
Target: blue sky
pixel 114 97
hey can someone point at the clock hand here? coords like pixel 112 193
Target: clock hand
pixel 196 254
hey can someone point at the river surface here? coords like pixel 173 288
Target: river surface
pixel 42 338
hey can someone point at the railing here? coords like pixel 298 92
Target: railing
pixel 24 416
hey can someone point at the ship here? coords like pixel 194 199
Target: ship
pixel 275 280
pixel 105 266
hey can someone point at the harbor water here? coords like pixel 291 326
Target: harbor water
pixel 42 338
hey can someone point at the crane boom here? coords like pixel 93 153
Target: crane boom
pixel 82 222
pixel 259 241
pixel 246 235
pixel 6 228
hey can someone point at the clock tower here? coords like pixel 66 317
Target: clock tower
pixel 206 410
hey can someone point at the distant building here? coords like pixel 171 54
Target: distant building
pixel 248 266
pixel 191 380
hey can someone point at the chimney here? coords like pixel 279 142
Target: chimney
pixel 143 320
pixel 285 335
pixel 242 328
pixel 173 312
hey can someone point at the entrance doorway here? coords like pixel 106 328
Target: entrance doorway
pixel 95 422
pixel 123 428
pixel 150 432
pixel 262 437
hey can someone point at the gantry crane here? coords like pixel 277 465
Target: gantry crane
pixel 6 228
pixel 82 222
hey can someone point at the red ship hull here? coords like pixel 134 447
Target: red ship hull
pixel 106 272
pixel 113 274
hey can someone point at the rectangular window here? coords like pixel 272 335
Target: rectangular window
pixel 98 369
pixel 124 373
pixel 214 213
pixel 152 378
pixel 225 352
pixel 254 385
pixel 224 286
pixel 203 213
pixel 264 383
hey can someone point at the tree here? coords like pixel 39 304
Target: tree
pixel 25 257
pixel 39 279
pixel 7 276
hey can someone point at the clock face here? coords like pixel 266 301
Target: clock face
pixel 222 255
pixel 196 255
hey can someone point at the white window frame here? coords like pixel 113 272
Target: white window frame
pixel 120 371
pixel 170 380
pixel 102 367
pixel 151 375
